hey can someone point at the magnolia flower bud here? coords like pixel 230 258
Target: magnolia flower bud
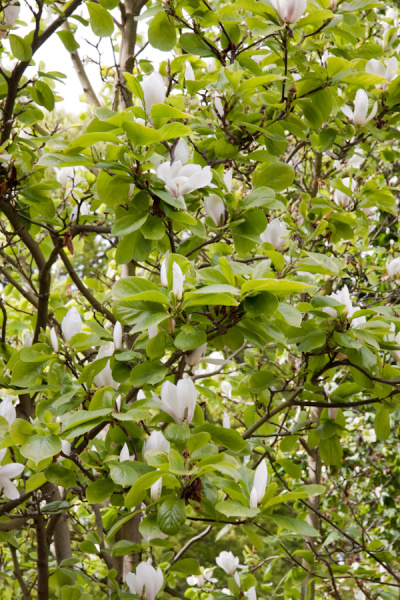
pixel 290 11
pixel 393 267
pixel 189 73
pixel 228 562
pixel 124 454
pixel 195 356
pixel 181 152
pixel 117 335
pixel 275 234
pixel 7 410
pixel 343 297
pixel 179 401
pixel 65 175
pixel 226 422
pixel 27 339
pixel 146 582
pixel 71 324
pixel 141 395
pixel 11 13
pixel 251 593
pixel 215 209
pixel 105 378
pixel 66 447
pixel 177 281
pixel 163 273
pixel 156 441
pixel 153 88
pixel 342 199
pixel 54 339
pixel 79 210
pixel 259 484
pixel 228 179
pixel 152 331
pixel 359 114
pixel 118 402
pixel 155 490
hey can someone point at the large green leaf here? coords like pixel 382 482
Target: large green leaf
pixel 171 515
pixel 100 19
pixel 161 33
pixel 280 287
pixel 39 447
pixel 295 526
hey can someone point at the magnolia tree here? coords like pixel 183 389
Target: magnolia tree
pixel 199 287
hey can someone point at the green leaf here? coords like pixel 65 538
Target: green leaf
pixel 294 526
pixel 59 475
pixel 39 447
pixel 100 20
pixel 69 41
pixel 277 175
pixel 99 490
pixel 128 224
pixel 331 450
pixel 148 372
pixel 233 508
pixel 171 515
pixel 138 491
pixel 230 438
pixel 123 473
pixel 20 47
pixel 280 287
pixel 382 424
pixel 193 44
pixel 261 197
pixel 189 338
pixel 35 482
pixel 141 135
pixel 187 566
pixel 161 33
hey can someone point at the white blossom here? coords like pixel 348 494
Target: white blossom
pixel 251 593
pixel 66 447
pixel 177 281
pixel 152 331
pixel 183 179
pixel 11 13
pixel 156 441
pixel 179 401
pixel 153 87
pixel 65 175
pixel 7 409
pixel 228 179
pixel 8 472
pixel 146 582
pixel 105 378
pixel 117 335
pixel 71 324
pixel 388 71
pixel 275 234
pixel 82 209
pixel 226 422
pixel 163 272
pixel 393 267
pixel 228 562
pixel 342 199
pixel 118 403
pixel 195 356
pixel 289 11
pixel 219 108
pixel 155 490
pixel 259 484
pixel 215 209
pixel 124 454
pixel 343 297
pixel 27 339
pixel 54 339
pixel 181 152
pixel 189 73
pixel 359 114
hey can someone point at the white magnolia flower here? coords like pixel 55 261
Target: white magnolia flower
pixel 153 87
pixel 196 355
pixel 71 324
pixel 152 331
pixel 7 410
pixel 393 267
pixel 251 593
pixel 359 114
pixel 219 107
pixel 156 441
pixel 11 13
pixel 163 272
pixel 226 422
pixel 66 447
pixel 8 472
pixel 202 579
pixel 357 159
pixel 117 335
pixel 177 281
pixel 215 209
pixel 124 454
pixel 82 209
pixel 275 234
pixel 356 321
pixel 388 72
pixel 342 199
pixel 155 490
pixel 180 180
pixel 27 339
pixel 54 339
pixel 65 175
pixel 179 401
pixel 228 179
pixel 5 159
pixel 392 337
pixel 342 296
pixel 289 11
pixel 146 582
pixel 228 562
pixel 118 403
pixel 105 378
pixel 259 484
pixel 141 395
pixel 226 388
pixel 189 73
pixel 181 152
